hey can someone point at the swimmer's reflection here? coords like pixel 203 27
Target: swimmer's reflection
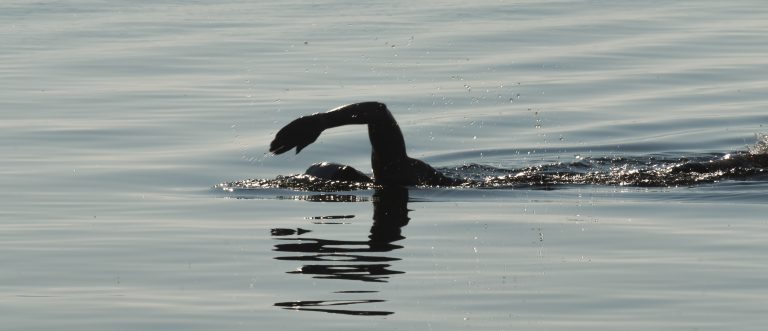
pixel 348 260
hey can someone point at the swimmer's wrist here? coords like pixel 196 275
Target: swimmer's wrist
pixel 321 119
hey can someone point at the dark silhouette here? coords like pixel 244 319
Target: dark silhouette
pixel 347 259
pixel 391 164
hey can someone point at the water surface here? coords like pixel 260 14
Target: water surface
pixel 120 118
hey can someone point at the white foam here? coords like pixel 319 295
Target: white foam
pixel 761 146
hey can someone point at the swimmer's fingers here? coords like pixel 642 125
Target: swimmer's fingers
pixel 299 133
pixel 278 149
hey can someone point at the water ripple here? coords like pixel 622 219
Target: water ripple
pixel 643 171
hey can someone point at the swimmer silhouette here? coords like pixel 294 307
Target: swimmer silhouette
pixel 391 164
pixel 393 167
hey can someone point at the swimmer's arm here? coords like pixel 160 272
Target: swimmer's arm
pixel 358 113
pixel 385 135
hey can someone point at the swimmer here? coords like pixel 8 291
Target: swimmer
pixel 393 167
pixel 391 164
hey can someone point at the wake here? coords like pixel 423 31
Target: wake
pixel 640 171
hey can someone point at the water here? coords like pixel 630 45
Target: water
pixel 119 118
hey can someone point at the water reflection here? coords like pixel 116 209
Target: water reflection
pixel 349 260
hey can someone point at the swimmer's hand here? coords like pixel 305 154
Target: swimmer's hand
pixel 299 133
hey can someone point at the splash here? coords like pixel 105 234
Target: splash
pixel 761 147
pixel 643 171
pixel 296 182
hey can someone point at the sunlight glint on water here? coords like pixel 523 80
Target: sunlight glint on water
pixel 119 119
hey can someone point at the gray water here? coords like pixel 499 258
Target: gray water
pixel 120 118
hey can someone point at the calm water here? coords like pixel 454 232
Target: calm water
pixel 119 118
